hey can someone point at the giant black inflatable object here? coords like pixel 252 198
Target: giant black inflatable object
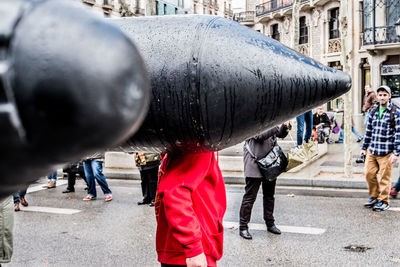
pixel 70 84
pixel 216 83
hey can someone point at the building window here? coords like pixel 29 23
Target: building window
pixel 275 32
pixel 157 9
pixel 390 74
pixel 303 31
pixel 334 23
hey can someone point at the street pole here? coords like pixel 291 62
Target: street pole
pixel 348 111
pixel 294 42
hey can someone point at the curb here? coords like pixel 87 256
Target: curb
pixel 240 180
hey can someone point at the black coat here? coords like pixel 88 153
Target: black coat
pixel 261 145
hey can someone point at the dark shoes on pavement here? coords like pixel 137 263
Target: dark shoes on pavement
pixel 381 206
pixel 360 139
pixel 68 191
pixel 393 192
pixel 16 207
pixel 371 202
pixel 273 229
pixel 143 202
pixel 23 201
pixel 245 234
pixel 151 203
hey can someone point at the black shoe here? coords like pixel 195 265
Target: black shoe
pixel 360 139
pixel 245 234
pixel 143 202
pixel 338 142
pixel 273 229
pixel 68 191
pixel 151 203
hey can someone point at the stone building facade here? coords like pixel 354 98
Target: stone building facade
pixel 373 44
pixel 122 8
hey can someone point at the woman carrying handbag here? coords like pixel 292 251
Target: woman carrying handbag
pixel 254 149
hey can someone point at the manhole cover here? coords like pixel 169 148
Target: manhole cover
pixel 356 248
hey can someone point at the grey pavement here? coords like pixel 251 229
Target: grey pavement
pixel 120 233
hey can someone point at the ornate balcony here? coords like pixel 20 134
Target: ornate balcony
pixel 107 4
pixel 379 19
pixel 334 46
pixel 273 5
pixel 247 17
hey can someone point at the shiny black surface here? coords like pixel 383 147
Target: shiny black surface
pixel 216 83
pixel 79 85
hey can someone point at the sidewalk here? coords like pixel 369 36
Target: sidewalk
pixel 325 171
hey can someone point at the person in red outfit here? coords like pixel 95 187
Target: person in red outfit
pixel 190 205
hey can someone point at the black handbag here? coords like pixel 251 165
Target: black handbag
pixel 273 164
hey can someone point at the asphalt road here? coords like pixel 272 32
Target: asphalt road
pixel 119 233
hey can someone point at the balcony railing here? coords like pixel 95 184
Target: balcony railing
pixel 228 12
pixel 247 16
pixel 380 35
pixel 206 2
pixel 273 5
pixel 379 18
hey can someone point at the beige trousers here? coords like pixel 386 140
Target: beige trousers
pixel 374 165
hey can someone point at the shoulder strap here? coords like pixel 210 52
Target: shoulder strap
pixel 392 112
pixel 246 144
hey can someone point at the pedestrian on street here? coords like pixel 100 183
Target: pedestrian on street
pixel 381 147
pixel 51 181
pixel 94 171
pixel 148 167
pixel 19 198
pixel 260 145
pixel 353 130
pixel 190 205
pixel 369 102
pixel 72 170
pixel 307 119
pixel 322 125
pixel 6 230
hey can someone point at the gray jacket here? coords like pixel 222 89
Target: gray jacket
pixel 6 229
pixel 261 145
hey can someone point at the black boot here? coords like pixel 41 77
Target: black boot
pixel 245 234
pixel 273 229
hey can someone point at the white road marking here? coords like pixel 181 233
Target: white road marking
pixel 50 210
pixel 283 228
pixel 394 209
pixel 40 187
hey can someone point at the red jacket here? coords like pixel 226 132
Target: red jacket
pixel 190 205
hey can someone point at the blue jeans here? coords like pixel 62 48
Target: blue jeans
pixel 18 195
pixel 366 116
pixel 306 118
pixel 341 135
pixel 52 177
pixel 94 171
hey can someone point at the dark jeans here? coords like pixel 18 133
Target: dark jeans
pixel 94 172
pixel 306 118
pixel 149 183
pixel 71 175
pixel 19 194
pixel 250 195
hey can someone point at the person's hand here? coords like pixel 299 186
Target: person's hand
pixel 393 158
pixel 197 261
pixel 362 153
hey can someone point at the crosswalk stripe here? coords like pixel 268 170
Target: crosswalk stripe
pixel 283 228
pixel 50 210
pixel 36 188
pixel 394 209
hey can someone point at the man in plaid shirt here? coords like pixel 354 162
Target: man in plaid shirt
pixel 381 147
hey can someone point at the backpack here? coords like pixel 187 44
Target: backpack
pixel 392 112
